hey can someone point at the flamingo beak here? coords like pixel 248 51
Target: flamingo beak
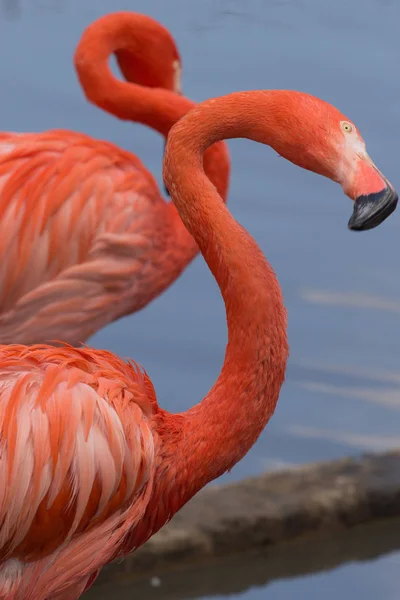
pixel 371 210
pixel 374 197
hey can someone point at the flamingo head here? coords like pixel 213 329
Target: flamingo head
pixel 316 136
pixel 155 63
pixel 374 196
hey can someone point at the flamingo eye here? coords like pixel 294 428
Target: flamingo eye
pixel 346 126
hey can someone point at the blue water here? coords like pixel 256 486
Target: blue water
pixel 351 581
pixel 342 289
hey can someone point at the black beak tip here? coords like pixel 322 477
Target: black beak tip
pixel 370 211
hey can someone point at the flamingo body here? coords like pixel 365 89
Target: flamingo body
pixel 85 236
pixel 79 451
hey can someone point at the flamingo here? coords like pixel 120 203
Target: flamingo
pixel 90 465
pixel 85 234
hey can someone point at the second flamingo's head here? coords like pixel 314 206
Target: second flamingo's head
pixel 151 57
pixel 145 50
pixel 316 136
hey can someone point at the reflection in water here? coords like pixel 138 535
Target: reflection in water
pixel 236 574
pixel 352 439
pixel 389 398
pixel 350 300
pixel 385 394
pixel 349 372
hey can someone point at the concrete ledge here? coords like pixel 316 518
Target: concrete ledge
pixel 262 512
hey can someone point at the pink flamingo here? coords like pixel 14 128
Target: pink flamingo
pixel 90 465
pixel 85 235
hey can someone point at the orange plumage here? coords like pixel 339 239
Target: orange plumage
pixel 78 454
pixel 85 235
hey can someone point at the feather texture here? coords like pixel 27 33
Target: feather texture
pixel 85 236
pixel 77 459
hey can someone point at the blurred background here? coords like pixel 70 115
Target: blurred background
pixel 342 289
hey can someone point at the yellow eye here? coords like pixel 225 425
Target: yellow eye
pixel 346 126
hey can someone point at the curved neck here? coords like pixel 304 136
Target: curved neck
pixel 157 108
pixel 219 431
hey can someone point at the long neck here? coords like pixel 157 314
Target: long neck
pixel 157 108
pixel 131 34
pixel 219 431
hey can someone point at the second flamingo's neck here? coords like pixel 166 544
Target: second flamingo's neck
pixel 157 108
pixel 220 430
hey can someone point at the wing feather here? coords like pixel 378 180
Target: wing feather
pixel 71 233
pixel 70 456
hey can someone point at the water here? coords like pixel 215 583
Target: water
pixel 332 565
pixel 341 289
